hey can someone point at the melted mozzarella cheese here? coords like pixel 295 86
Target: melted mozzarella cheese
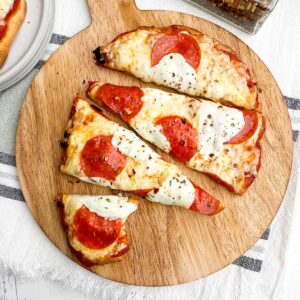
pixel 218 76
pixel 5 7
pixel 217 124
pixel 153 134
pixel 175 190
pixel 97 180
pixel 111 207
pixel 174 71
pixel 129 144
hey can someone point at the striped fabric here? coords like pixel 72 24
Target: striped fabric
pixel 10 188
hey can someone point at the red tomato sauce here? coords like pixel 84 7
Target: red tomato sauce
pixel 182 136
pixel 94 231
pixel 125 101
pixel 177 42
pixel 3 28
pixel 251 123
pixel 205 203
pixel 99 158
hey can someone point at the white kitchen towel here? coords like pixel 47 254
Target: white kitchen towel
pixel 258 274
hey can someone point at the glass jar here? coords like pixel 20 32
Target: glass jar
pixel 248 15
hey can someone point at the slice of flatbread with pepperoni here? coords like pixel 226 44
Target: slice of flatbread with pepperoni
pixel 12 14
pixel 220 141
pixel 183 59
pixel 101 152
pixel 95 226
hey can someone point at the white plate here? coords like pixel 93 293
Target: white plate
pixel 30 42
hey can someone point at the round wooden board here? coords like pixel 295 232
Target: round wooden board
pixel 169 245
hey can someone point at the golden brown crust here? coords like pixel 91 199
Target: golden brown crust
pixel 13 25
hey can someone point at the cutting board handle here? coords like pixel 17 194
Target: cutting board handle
pixel 98 10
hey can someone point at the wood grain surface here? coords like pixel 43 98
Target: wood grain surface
pixel 169 245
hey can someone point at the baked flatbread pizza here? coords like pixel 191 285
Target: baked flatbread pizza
pixel 95 226
pixel 223 142
pixel 99 151
pixel 183 59
pixel 12 14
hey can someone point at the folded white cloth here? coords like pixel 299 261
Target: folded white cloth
pixel 258 274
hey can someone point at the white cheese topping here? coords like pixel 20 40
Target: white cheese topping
pixel 175 190
pixel 5 7
pixel 97 180
pixel 153 134
pixel 174 71
pixel 129 144
pixel 217 125
pixel 111 207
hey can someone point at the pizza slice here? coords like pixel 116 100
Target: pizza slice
pixel 12 14
pixel 101 152
pixel 221 141
pixel 183 59
pixel 95 226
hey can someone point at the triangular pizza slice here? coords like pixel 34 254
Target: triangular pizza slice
pixel 95 226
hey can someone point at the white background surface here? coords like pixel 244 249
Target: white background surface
pixel 13 287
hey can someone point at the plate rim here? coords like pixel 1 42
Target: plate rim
pixel 36 50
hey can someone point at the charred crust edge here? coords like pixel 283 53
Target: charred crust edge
pixel 100 58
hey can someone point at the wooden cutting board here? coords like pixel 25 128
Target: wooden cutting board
pixel 169 245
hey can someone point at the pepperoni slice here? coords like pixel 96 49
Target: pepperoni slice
pixel 99 158
pixel 181 43
pixel 205 203
pixel 142 193
pixel 182 136
pixel 251 123
pixel 94 231
pixel 125 101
